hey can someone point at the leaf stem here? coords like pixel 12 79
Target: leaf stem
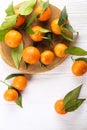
pixel 4 82
pixel 72 59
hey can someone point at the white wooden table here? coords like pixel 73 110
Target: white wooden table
pixel 44 89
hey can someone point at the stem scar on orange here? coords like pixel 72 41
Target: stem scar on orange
pixel 79 68
pixel 20 20
pixel 31 55
pixel 59 50
pixel 19 82
pixel 43 15
pixel 59 107
pixel 38 35
pixel 10 95
pixel 47 57
pixel 13 38
pixel 55 27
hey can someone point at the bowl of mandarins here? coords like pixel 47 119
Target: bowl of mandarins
pixel 34 36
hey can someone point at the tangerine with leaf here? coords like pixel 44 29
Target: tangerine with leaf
pixel 10 95
pixel 37 36
pixel 55 27
pixel 70 102
pixel 59 50
pixel 43 15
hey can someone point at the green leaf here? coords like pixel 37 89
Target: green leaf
pixel 16 54
pixel 71 101
pixel 72 95
pixel 29 30
pixel 31 20
pixel 43 30
pixel 63 17
pixel 81 58
pixel 2 34
pixel 13 75
pixel 67 37
pixel 49 38
pixel 27 7
pixel 73 105
pixel 77 51
pixel 44 4
pixel 10 9
pixel 9 22
pixel 68 28
pixel 19 100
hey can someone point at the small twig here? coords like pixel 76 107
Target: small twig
pixel 4 83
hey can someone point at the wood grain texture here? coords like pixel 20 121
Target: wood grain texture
pixel 44 89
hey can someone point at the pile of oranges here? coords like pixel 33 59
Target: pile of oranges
pixel 31 54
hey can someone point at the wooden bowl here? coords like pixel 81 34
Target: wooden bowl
pixel 5 51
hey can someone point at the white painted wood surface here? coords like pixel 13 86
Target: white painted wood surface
pixel 44 89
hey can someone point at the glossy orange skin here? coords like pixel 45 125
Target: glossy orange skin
pixel 10 95
pixel 13 38
pixel 55 27
pixel 37 36
pixel 44 15
pixel 59 107
pixel 59 50
pixel 79 68
pixel 31 55
pixel 19 82
pixel 47 57
pixel 20 20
